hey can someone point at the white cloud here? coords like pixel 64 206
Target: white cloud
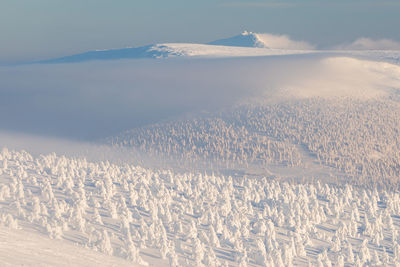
pixel 86 101
pixel 282 42
pixel 371 44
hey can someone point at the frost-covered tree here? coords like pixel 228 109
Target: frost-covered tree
pixel 340 261
pixel 198 252
pixel 105 244
pixel 9 221
pixel 210 259
pixel 273 221
pixel 365 255
pixel 96 216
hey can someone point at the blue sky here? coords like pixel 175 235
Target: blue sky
pixel 39 29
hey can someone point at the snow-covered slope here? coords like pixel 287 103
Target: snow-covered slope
pixel 208 50
pixel 163 218
pixel 112 54
pixel 26 248
pixel 354 139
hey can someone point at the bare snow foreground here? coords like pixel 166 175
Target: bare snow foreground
pixel 160 218
pixel 23 248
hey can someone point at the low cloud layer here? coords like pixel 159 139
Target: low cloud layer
pixel 87 101
pixel 371 44
pixel 97 99
pixel 283 42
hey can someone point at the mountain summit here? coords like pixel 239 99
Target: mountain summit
pixel 263 40
pixel 245 39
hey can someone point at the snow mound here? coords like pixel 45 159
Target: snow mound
pixel 263 40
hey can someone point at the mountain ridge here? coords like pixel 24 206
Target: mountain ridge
pixel 245 44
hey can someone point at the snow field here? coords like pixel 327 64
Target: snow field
pixel 158 217
pixel 23 248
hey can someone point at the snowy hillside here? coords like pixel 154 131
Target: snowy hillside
pixel 349 136
pixel 155 217
pixel 26 248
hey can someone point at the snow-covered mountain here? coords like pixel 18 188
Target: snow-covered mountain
pixel 244 44
pixel 168 50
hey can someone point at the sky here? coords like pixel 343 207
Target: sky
pixel 41 29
